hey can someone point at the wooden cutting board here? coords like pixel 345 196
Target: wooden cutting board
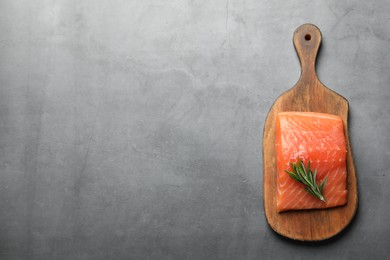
pixel 308 94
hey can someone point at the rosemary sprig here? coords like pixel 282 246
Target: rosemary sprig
pixel 308 178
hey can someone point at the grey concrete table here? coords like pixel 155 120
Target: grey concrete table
pixel 133 129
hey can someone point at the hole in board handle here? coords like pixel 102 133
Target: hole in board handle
pixel 307 37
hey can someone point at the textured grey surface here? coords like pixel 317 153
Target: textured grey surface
pixel 133 129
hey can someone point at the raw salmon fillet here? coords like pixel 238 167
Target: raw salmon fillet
pixel 317 137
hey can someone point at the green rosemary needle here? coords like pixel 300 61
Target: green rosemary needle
pixel 308 178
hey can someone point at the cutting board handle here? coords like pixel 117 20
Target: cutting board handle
pixel 307 40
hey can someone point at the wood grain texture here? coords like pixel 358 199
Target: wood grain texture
pixel 309 94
